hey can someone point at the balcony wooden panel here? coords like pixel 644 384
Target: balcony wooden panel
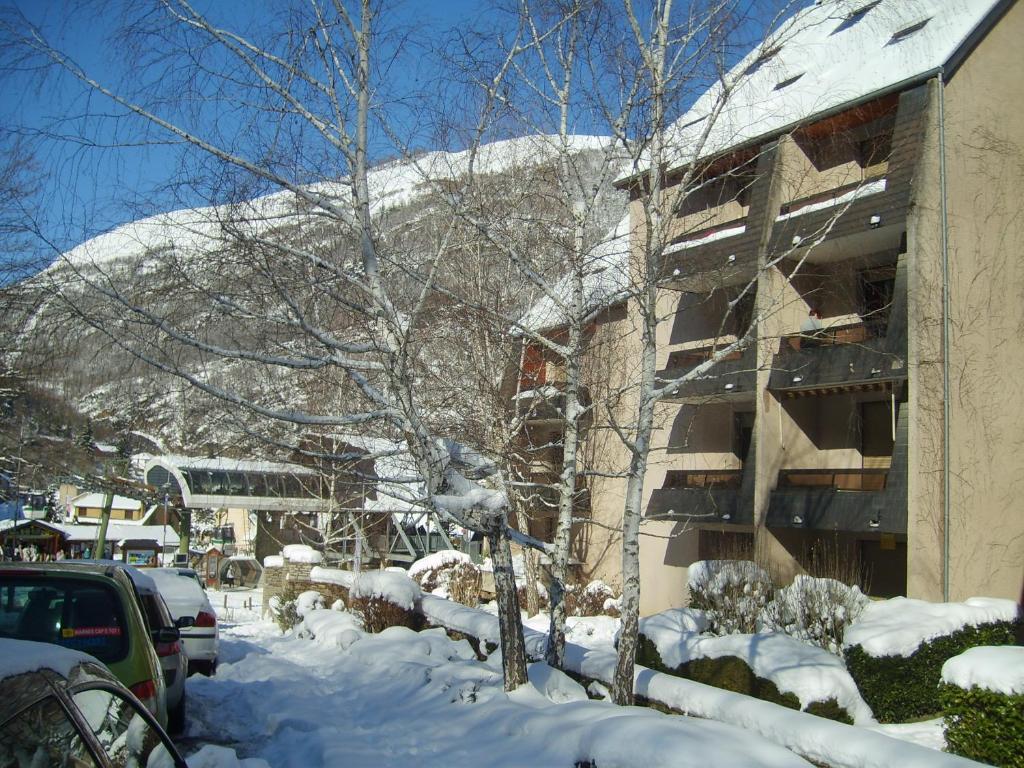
pixel 703 478
pixel 863 479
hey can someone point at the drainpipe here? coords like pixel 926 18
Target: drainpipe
pixel 946 322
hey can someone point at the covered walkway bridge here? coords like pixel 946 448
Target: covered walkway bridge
pixel 346 509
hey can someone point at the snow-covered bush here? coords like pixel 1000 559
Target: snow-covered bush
pixel 816 611
pixel 982 695
pixel 896 649
pixel 594 599
pixel 464 584
pixel 384 599
pixel 732 593
pixel 768 666
pixel 433 571
pixel 284 611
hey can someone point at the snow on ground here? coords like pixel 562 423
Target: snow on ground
pixel 591 631
pixel 927 733
pixel 402 698
pixel 994 668
pixel 897 627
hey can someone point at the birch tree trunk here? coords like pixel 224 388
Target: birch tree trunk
pixel 510 622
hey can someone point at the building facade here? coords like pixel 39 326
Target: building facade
pixel 869 234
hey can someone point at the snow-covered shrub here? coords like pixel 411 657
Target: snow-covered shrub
pixel 383 599
pixel 732 593
pixel 816 611
pixel 590 600
pixel 434 571
pixel 310 600
pixel 284 610
pixel 542 595
pixel 464 584
pixel 896 649
pixel 771 666
pixel 982 696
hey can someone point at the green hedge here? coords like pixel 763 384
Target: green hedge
pixel 732 673
pixel 984 725
pixel 902 688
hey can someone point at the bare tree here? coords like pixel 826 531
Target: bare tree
pixel 309 290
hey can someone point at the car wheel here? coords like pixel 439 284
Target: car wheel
pixel 176 717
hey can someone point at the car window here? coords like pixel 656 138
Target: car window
pixel 156 611
pixel 82 614
pixel 126 736
pixel 41 736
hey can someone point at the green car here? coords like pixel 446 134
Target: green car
pixel 88 608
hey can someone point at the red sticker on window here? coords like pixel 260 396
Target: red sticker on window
pixel 91 632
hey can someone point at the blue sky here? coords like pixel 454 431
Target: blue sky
pixel 111 172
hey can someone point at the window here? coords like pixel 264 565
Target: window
pixel 877 287
pixel 83 615
pixel 855 16
pixel 906 32
pixel 43 735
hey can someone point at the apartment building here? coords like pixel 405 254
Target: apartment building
pixel 860 205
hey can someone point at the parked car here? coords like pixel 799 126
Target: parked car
pixel 93 608
pixel 173 661
pixel 164 633
pixel 61 707
pixel 187 599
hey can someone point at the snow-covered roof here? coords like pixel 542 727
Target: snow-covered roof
pixel 222 464
pixel 826 56
pixel 604 282
pixel 119 531
pixel 95 500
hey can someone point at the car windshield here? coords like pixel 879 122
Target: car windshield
pixel 76 613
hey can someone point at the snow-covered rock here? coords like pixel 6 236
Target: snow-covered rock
pixel 898 626
pixel 994 668
pixel 555 685
pixel 330 627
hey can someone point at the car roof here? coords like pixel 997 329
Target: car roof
pixel 29 670
pixel 143 581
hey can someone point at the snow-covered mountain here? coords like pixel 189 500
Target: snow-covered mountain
pixel 193 265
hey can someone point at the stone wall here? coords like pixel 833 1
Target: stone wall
pixel 294 578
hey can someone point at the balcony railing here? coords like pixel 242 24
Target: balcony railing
pixel 865 479
pixel 703 478
pixel 852 333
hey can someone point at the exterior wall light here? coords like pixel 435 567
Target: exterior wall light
pixel 797 520
pixel 875 221
pixel 797 379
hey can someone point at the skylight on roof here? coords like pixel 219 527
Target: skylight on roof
pixel 906 32
pixel 855 16
pixel 788 82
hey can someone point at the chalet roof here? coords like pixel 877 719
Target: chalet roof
pixel 832 54
pixel 95 500
pixel 223 464
pixel 605 281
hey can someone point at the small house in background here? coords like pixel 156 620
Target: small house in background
pixel 88 507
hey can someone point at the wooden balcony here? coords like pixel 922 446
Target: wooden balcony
pixel 703 478
pixel 864 479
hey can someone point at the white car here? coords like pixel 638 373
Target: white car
pixel 186 600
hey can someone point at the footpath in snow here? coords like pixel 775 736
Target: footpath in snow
pixel 402 698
